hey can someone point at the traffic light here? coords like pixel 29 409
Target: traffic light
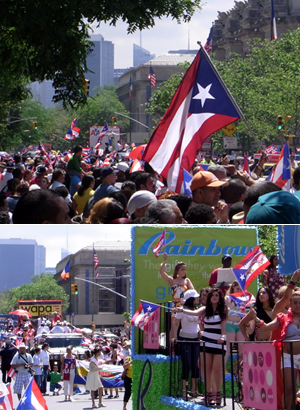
pixel 113 121
pixel 86 87
pixel 52 137
pixel 280 125
pixel 75 289
pixel 34 125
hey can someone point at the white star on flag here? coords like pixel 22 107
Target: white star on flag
pixel 149 308
pixel 242 277
pixel 203 94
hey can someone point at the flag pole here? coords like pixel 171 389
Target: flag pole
pixel 226 89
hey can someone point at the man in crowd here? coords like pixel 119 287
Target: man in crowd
pixel 22 362
pixel 107 187
pixel 7 354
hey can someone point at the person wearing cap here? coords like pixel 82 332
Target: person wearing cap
pixel 226 263
pixel 139 203
pixel 7 174
pixel 41 172
pixel 121 167
pixel 207 160
pixel 205 187
pixel 188 333
pixel 22 362
pixel 6 355
pixel 107 187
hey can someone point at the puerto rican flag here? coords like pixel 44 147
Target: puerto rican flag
pixel 246 164
pixel 281 175
pixel 250 267
pixel 6 400
pixel 137 165
pixel 143 315
pixel 187 180
pixel 101 135
pixel 243 299
pixel 201 106
pixel 12 372
pixel 42 148
pixel 160 244
pixel 32 398
pixel 73 131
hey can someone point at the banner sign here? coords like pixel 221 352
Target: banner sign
pixel 41 307
pixel 288 248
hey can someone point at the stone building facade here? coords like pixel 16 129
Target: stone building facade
pixel 251 19
pixel 93 302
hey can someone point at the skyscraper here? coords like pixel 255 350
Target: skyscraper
pixel 20 260
pixel 141 55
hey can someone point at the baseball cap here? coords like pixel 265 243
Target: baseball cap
pixel 122 166
pixel 40 169
pixel 107 171
pixel 21 345
pixel 226 256
pixel 279 207
pixel 191 293
pixel 140 199
pixel 206 178
pixel 10 164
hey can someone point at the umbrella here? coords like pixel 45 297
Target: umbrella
pixel 137 152
pixel 110 335
pixel 20 312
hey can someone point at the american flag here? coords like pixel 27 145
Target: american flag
pixel 143 315
pixel 152 76
pixel 250 267
pixel 208 44
pixel 201 106
pixel 160 244
pixel 96 264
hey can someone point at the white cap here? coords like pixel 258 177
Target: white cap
pixel 122 166
pixel 140 199
pixel 191 293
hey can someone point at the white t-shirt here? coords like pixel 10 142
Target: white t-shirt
pixel 189 323
pixel 44 357
pixel 17 359
pixel 37 361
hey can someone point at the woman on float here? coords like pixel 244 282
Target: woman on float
pixel 286 327
pixel 188 335
pixel 215 315
pixel 179 284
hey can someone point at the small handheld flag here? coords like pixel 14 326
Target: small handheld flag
pixel 160 244
pixel 143 315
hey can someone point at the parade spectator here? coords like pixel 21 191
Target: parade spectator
pixel 28 175
pixel 17 192
pixel 41 206
pixel 68 366
pixel 105 211
pixel 200 214
pixel 183 202
pixel 37 367
pixel 233 192
pixel 41 172
pixel 6 175
pixel 108 175
pixel 22 362
pixel 46 367
pixel 6 355
pixel 11 186
pixel 85 191
pixel 218 170
pixel 75 170
pixel 30 336
pixel 55 378
pixel 3 203
pixel 144 181
pixel 164 211
pixel 127 365
pixel 93 382
pixel 17 173
pixel 139 203
pixel 58 178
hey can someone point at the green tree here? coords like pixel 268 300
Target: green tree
pixel 43 287
pixel 42 40
pixel 267 237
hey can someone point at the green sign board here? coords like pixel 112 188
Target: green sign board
pixel 200 247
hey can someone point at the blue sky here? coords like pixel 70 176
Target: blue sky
pixel 71 237
pixel 166 35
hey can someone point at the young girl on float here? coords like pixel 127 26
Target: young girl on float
pixel 179 284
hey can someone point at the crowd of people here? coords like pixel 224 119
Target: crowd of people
pixel 112 191
pixel 33 359
pixel 206 323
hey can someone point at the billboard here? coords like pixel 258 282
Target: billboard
pixel 200 247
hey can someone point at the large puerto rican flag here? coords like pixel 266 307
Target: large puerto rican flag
pixel 32 398
pixel 201 106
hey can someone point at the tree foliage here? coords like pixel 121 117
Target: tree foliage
pixel 48 40
pixel 267 237
pixel 43 287
pixel 264 84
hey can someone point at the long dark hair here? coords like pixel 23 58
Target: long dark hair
pixel 177 267
pixel 222 309
pixel 85 184
pixel 271 259
pixel 258 304
pixel 189 303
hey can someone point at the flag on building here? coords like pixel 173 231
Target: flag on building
pixel 143 315
pixel 281 175
pixel 246 164
pixel 32 398
pixel 208 44
pixel 187 179
pixel 66 272
pixel 201 106
pixel 152 76
pixel 73 131
pixel 160 244
pixel 96 264
pixel 250 267
pixel 273 22
pixel 6 400
pixel 130 88
pixel 101 135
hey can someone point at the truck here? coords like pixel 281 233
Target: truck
pixel 41 307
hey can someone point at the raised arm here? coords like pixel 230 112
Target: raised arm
pixel 243 324
pixel 198 312
pixel 162 272
pixel 265 326
pixel 281 304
